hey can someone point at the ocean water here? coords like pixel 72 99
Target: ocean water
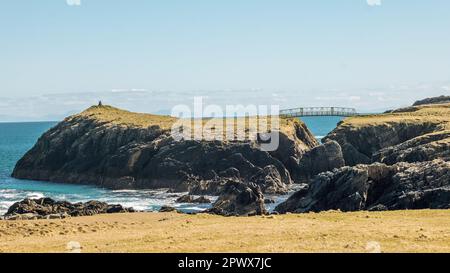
pixel 321 126
pixel 17 138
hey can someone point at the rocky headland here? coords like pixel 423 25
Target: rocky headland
pixel 397 160
pixel 117 149
pixel 391 161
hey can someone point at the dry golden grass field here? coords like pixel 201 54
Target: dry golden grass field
pixel 399 231
pixel 435 114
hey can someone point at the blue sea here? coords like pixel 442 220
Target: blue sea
pixel 17 138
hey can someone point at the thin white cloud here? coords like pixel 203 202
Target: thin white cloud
pixel 354 98
pixel 446 88
pixel 73 2
pixel 125 90
pixel 338 98
pixel 374 3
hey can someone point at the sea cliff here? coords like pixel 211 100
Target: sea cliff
pixel 397 160
pixel 413 134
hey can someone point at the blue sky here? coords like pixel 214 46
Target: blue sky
pixel 293 52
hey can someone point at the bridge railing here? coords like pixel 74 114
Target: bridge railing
pixel 319 111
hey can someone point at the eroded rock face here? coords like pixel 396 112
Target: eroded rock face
pixel 171 166
pixel 294 143
pixel 101 147
pixel 419 134
pixel 47 206
pixel 361 143
pixel 191 199
pixel 269 180
pixel 405 157
pixel 320 159
pixel 345 189
pixel 423 148
pixel 424 185
pixel 238 199
pixel 376 187
pixel 197 186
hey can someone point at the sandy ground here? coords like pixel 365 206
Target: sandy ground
pixel 401 231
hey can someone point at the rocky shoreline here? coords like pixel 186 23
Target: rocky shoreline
pixel 47 208
pixel 392 161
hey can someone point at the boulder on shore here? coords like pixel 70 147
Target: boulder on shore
pixel 239 199
pixel 167 209
pixel 47 207
pixel 191 199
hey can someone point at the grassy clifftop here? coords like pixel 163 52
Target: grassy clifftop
pixel 119 117
pixel 116 116
pixel 433 113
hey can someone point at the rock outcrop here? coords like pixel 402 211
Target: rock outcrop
pixel 167 209
pixel 238 199
pixel 396 160
pixel 191 199
pixel 51 209
pixel 267 178
pixel 320 159
pixel 435 100
pixel 424 185
pixel 421 134
pixel 112 148
pixel 344 189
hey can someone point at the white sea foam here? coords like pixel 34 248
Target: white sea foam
pixel 35 195
pixel 4 205
pixel 142 200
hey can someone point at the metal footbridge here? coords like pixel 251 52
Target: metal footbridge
pixel 319 112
